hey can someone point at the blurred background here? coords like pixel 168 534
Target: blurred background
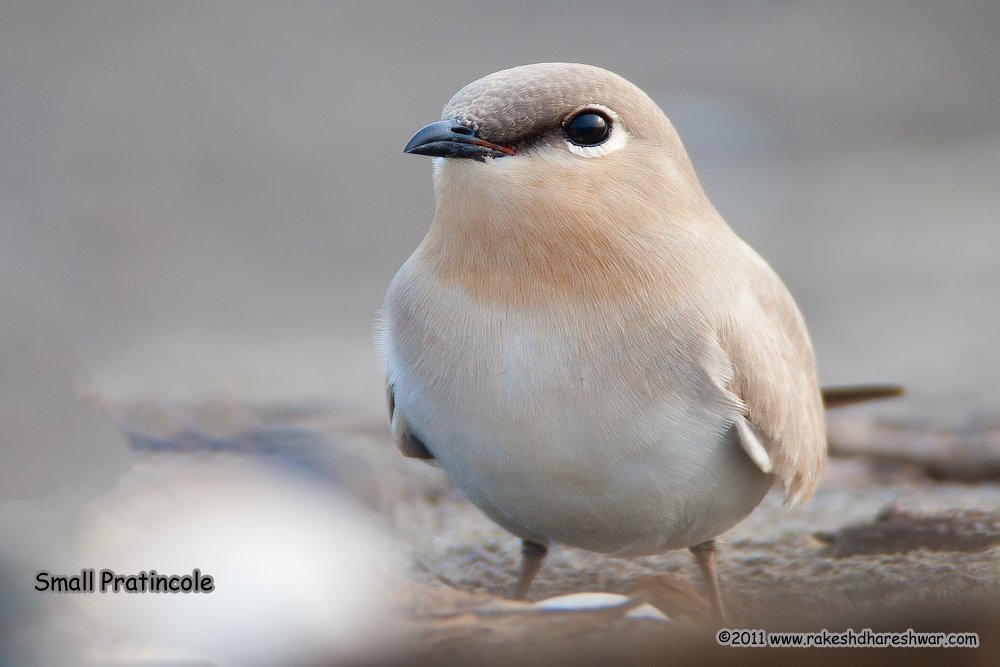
pixel 211 197
pixel 206 201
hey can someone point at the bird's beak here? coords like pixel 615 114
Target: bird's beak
pixel 450 138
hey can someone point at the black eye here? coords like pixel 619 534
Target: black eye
pixel 588 128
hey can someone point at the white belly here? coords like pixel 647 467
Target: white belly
pixel 591 430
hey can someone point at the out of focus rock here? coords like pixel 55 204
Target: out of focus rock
pixel 896 530
pixel 967 451
pixel 300 568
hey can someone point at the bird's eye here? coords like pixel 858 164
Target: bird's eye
pixel 588 128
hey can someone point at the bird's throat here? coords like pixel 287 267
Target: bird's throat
pixel 519 260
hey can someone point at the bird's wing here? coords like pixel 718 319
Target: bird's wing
pixel 409 444
pixel 773 373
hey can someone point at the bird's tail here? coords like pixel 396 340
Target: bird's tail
pixel 835 397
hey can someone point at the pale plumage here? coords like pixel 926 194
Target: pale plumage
pixel 580 341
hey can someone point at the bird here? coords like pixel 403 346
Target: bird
pixel 581 343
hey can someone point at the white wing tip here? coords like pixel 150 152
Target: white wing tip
pixel 752 446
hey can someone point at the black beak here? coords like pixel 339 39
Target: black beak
pixel 450 138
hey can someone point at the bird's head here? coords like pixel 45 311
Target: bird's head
pixel 557 141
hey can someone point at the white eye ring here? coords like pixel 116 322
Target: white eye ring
pixel 616 139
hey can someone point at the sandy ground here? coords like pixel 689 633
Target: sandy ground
pixel 882 544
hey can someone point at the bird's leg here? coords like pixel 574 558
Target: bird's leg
pixel 704 555
pixel 532 555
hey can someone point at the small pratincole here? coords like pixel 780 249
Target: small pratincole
pixel 580 342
